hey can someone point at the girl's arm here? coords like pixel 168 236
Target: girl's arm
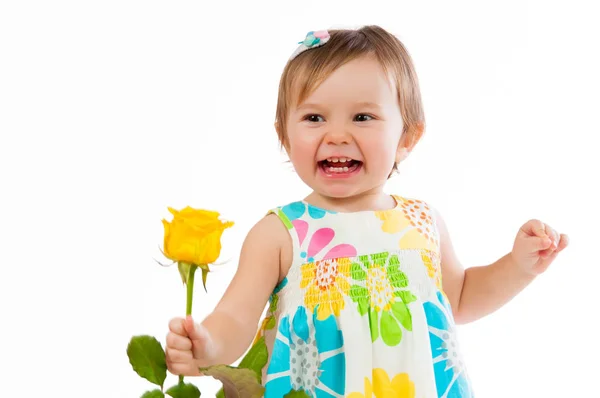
pixel 234 322
pixel 479 291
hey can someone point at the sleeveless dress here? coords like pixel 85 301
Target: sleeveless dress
pixel 362 312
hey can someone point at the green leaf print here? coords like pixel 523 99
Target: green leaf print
pixel 358 273
pixel 274 302
pixel 406 296
pixel 380 259
pixel 391 333
pixel 402 314
pixel 270 323
pixel 363 259
pixel 398 279
pixel 380 293
pixel 360 295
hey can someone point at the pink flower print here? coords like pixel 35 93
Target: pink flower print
pixel 320 239
pixel 301 228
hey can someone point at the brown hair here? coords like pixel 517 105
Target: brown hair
pixel 303 74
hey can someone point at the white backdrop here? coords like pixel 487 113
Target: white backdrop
pixel 111 111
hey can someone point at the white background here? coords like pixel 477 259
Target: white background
pixel 110 111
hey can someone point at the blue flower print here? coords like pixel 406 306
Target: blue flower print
pixel 295 210
pixel 451 377
pixel 281 285
pixel 307 355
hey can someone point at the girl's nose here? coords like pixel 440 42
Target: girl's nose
pixel 338 135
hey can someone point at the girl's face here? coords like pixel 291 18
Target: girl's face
pixel 344 138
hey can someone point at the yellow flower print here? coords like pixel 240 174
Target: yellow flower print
pixel 393 221
pixel 434 269
pixel 380 288
pixel 326 284
pixel 413 220
pixel 400 387
pixel 432 262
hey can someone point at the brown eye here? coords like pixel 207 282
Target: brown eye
pixel 361 117
pixel 313 118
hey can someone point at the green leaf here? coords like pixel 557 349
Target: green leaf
pixel 184 270
pixel 296 394
pixel 153 394
pixel 147 358
pixel 184 391
pixel 204 276
pixel 237 382
pixel 255 360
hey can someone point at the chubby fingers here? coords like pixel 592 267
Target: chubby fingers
pixel 177 326
pixel 559 242
pixel 196 332
pixel 179 356
pixel 548 240
pixel 553 235
pixel 535 233
pixel 178 342
pixel 563 242
pixel 181 363
pixel 536 228
pixel 551 246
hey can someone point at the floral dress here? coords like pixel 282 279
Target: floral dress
pixel 362 312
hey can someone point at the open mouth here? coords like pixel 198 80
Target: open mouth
pixel 339 165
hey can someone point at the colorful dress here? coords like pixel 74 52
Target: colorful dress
pixel 362 312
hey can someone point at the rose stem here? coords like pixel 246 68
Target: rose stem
pixel 190 296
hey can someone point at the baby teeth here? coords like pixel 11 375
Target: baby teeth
pixel 335 160
pixel 338 169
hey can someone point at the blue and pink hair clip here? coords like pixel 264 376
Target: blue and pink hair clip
pixel 312 40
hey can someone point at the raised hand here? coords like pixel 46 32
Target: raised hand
pixel 536 246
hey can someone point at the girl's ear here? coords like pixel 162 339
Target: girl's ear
pixel 408 141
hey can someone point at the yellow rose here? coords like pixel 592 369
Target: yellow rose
pixel 194 236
